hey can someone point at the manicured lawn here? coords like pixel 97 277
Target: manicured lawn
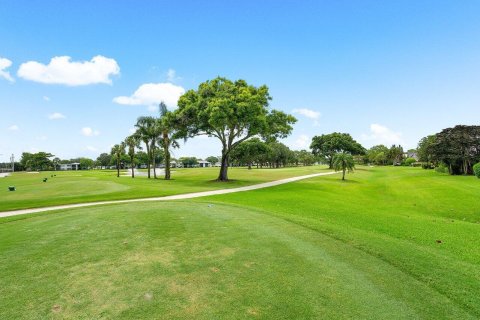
pixel 319 248
pixel 87 186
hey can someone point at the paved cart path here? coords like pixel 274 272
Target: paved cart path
pixel 166 198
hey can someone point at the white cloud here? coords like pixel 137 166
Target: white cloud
pixel 61 70
pixel 89 132
pixel 172 76
pixel 5 64
pixel 311 114
pixel 56 116
pixel 151 94
pixel 132 130
pixel 302 142
pixel 13 127
pixel 46 98
pixel 382 135
pixel 90 148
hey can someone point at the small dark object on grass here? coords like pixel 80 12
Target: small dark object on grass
pixel 438 241
pixel 45 179
pixel 11 188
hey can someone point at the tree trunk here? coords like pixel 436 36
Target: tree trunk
pixel 343 177
pixel 166 144
pixel 223 176
pixel 118 167
pixel 153 163
pixel 249 166
pixel 330 163
pixel 149 156
pixel 131 167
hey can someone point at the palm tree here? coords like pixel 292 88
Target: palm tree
pixel 146 133
pixel 132 142
pixel 117 151
pixel 167 137
pixel 343 161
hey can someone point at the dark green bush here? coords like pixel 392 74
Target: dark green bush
pixel 426 165
pixel 476 170
pixel 442 169
pixel 409 161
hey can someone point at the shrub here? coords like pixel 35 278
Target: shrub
pixel 442 168
pixel 426 165
pixel 476 170
pixel 409 161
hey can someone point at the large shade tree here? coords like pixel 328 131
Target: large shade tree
pixel 327 145
pixel 248 151
pixel 458 148
pixel 232 112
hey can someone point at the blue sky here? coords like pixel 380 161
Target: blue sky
pixel 383 71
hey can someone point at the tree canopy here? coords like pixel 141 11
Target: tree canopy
pixel 327 145
pixel 231 111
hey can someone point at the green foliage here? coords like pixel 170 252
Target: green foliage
pixel 117 152
pixel 249 151
pixel 39 161
pixel 327 145
pixel 409 161
pixel 304 157
pixel 212 160
pixel 441 168
pixel 188 162
pixel 395 155
pixel 343 161
pixel 476 170
pixel 104 159
pixel 457 147
pixel 231 111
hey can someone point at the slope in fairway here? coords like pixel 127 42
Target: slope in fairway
pixel 87 186
pixel 293 251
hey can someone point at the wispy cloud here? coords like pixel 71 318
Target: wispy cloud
pixel 5 64
pixel 46 98
pixel 89 132
pixel 61 70
pixel 56 116
pixel 13 127
pixel 172 76
pixel 308 113
pixel 380 134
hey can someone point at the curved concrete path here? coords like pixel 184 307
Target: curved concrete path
pixel 166 198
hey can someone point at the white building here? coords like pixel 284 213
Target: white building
pixel 69 166
pixel 204 164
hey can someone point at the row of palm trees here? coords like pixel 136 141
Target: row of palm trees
pixel 153 133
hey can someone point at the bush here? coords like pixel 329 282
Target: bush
pixel 476 170
pixel 426 165
pixel 442 169
pixel 409 161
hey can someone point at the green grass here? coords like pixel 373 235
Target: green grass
pixel 87 186
pixel 319 248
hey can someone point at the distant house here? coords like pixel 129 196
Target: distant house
pixel 411 154
pixel 69 166
pixel 204 164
